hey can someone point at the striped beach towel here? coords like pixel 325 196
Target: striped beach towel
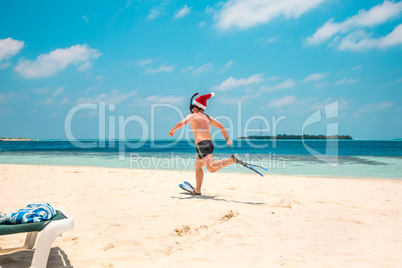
pixel 32 213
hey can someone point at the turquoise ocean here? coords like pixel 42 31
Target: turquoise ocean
pixel 329 158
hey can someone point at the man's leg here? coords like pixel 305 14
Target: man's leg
pixel 213 166
pixel 199 174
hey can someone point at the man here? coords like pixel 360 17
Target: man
pixel 201 125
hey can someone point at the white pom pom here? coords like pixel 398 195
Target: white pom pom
pixel 212 94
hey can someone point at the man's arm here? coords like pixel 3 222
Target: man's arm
pixel 180 124
pixel 218 124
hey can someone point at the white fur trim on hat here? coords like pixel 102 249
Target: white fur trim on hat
pixel 199 105
pixel 212 94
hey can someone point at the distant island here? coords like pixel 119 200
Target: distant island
pixel 14 139
pixel 297 137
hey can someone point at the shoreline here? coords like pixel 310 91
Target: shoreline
pixel 218 172
pixel 131 217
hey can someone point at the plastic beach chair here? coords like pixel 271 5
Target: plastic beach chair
pixel 49 230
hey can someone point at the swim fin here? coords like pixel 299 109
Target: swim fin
pixel 250 166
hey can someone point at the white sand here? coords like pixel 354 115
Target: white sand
pixel 133 218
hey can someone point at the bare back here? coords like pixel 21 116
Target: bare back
pixel 201 125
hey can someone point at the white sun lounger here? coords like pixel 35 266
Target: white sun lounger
pixel 49 231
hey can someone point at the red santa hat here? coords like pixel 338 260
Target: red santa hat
pixel 201 101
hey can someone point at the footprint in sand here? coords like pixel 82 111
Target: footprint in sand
pixel 228 215
pixel 108 246
pixel 182 230
pixel 109 265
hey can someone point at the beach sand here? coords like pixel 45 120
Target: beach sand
pixel 136 218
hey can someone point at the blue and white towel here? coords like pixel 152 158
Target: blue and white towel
pixel 32 213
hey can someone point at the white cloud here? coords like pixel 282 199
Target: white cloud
pixel 244 14
pixel 204 68
pixel 85 18
pixel 113 97
pixel 9 47
pixel 47 102
pixel 396 81
pixel 346 81
pixel 128 3
pixel 272 40
pixel 4 65
pixel 314 104
pixel 50 64
pixel 234 100
pixel 288 83
pixel 182 12
pixel 145 62
pixel 176 100
pixel 375 107
pixel 314 77
pixel 163 68
pixel 285 101
pixel 360 40
pixel 85 67
pixel 227 66
pixel 385 105
pixel 376 15
pixel 154 13
pixel 6 97
pixel 324 33
pixel 65 100
pixel 187 69
pixel 58 91
pixel 233 82
pixel 50 101
pixel 343 81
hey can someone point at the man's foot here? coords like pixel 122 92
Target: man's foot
pixel 188 184
pixel 188 188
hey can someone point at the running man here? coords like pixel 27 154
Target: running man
pixel 201 125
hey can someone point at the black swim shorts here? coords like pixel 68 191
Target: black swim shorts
pixel 204 148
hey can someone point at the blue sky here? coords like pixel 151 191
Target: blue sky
pixel 285 58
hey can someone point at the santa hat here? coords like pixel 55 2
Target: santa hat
pixel 201 101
